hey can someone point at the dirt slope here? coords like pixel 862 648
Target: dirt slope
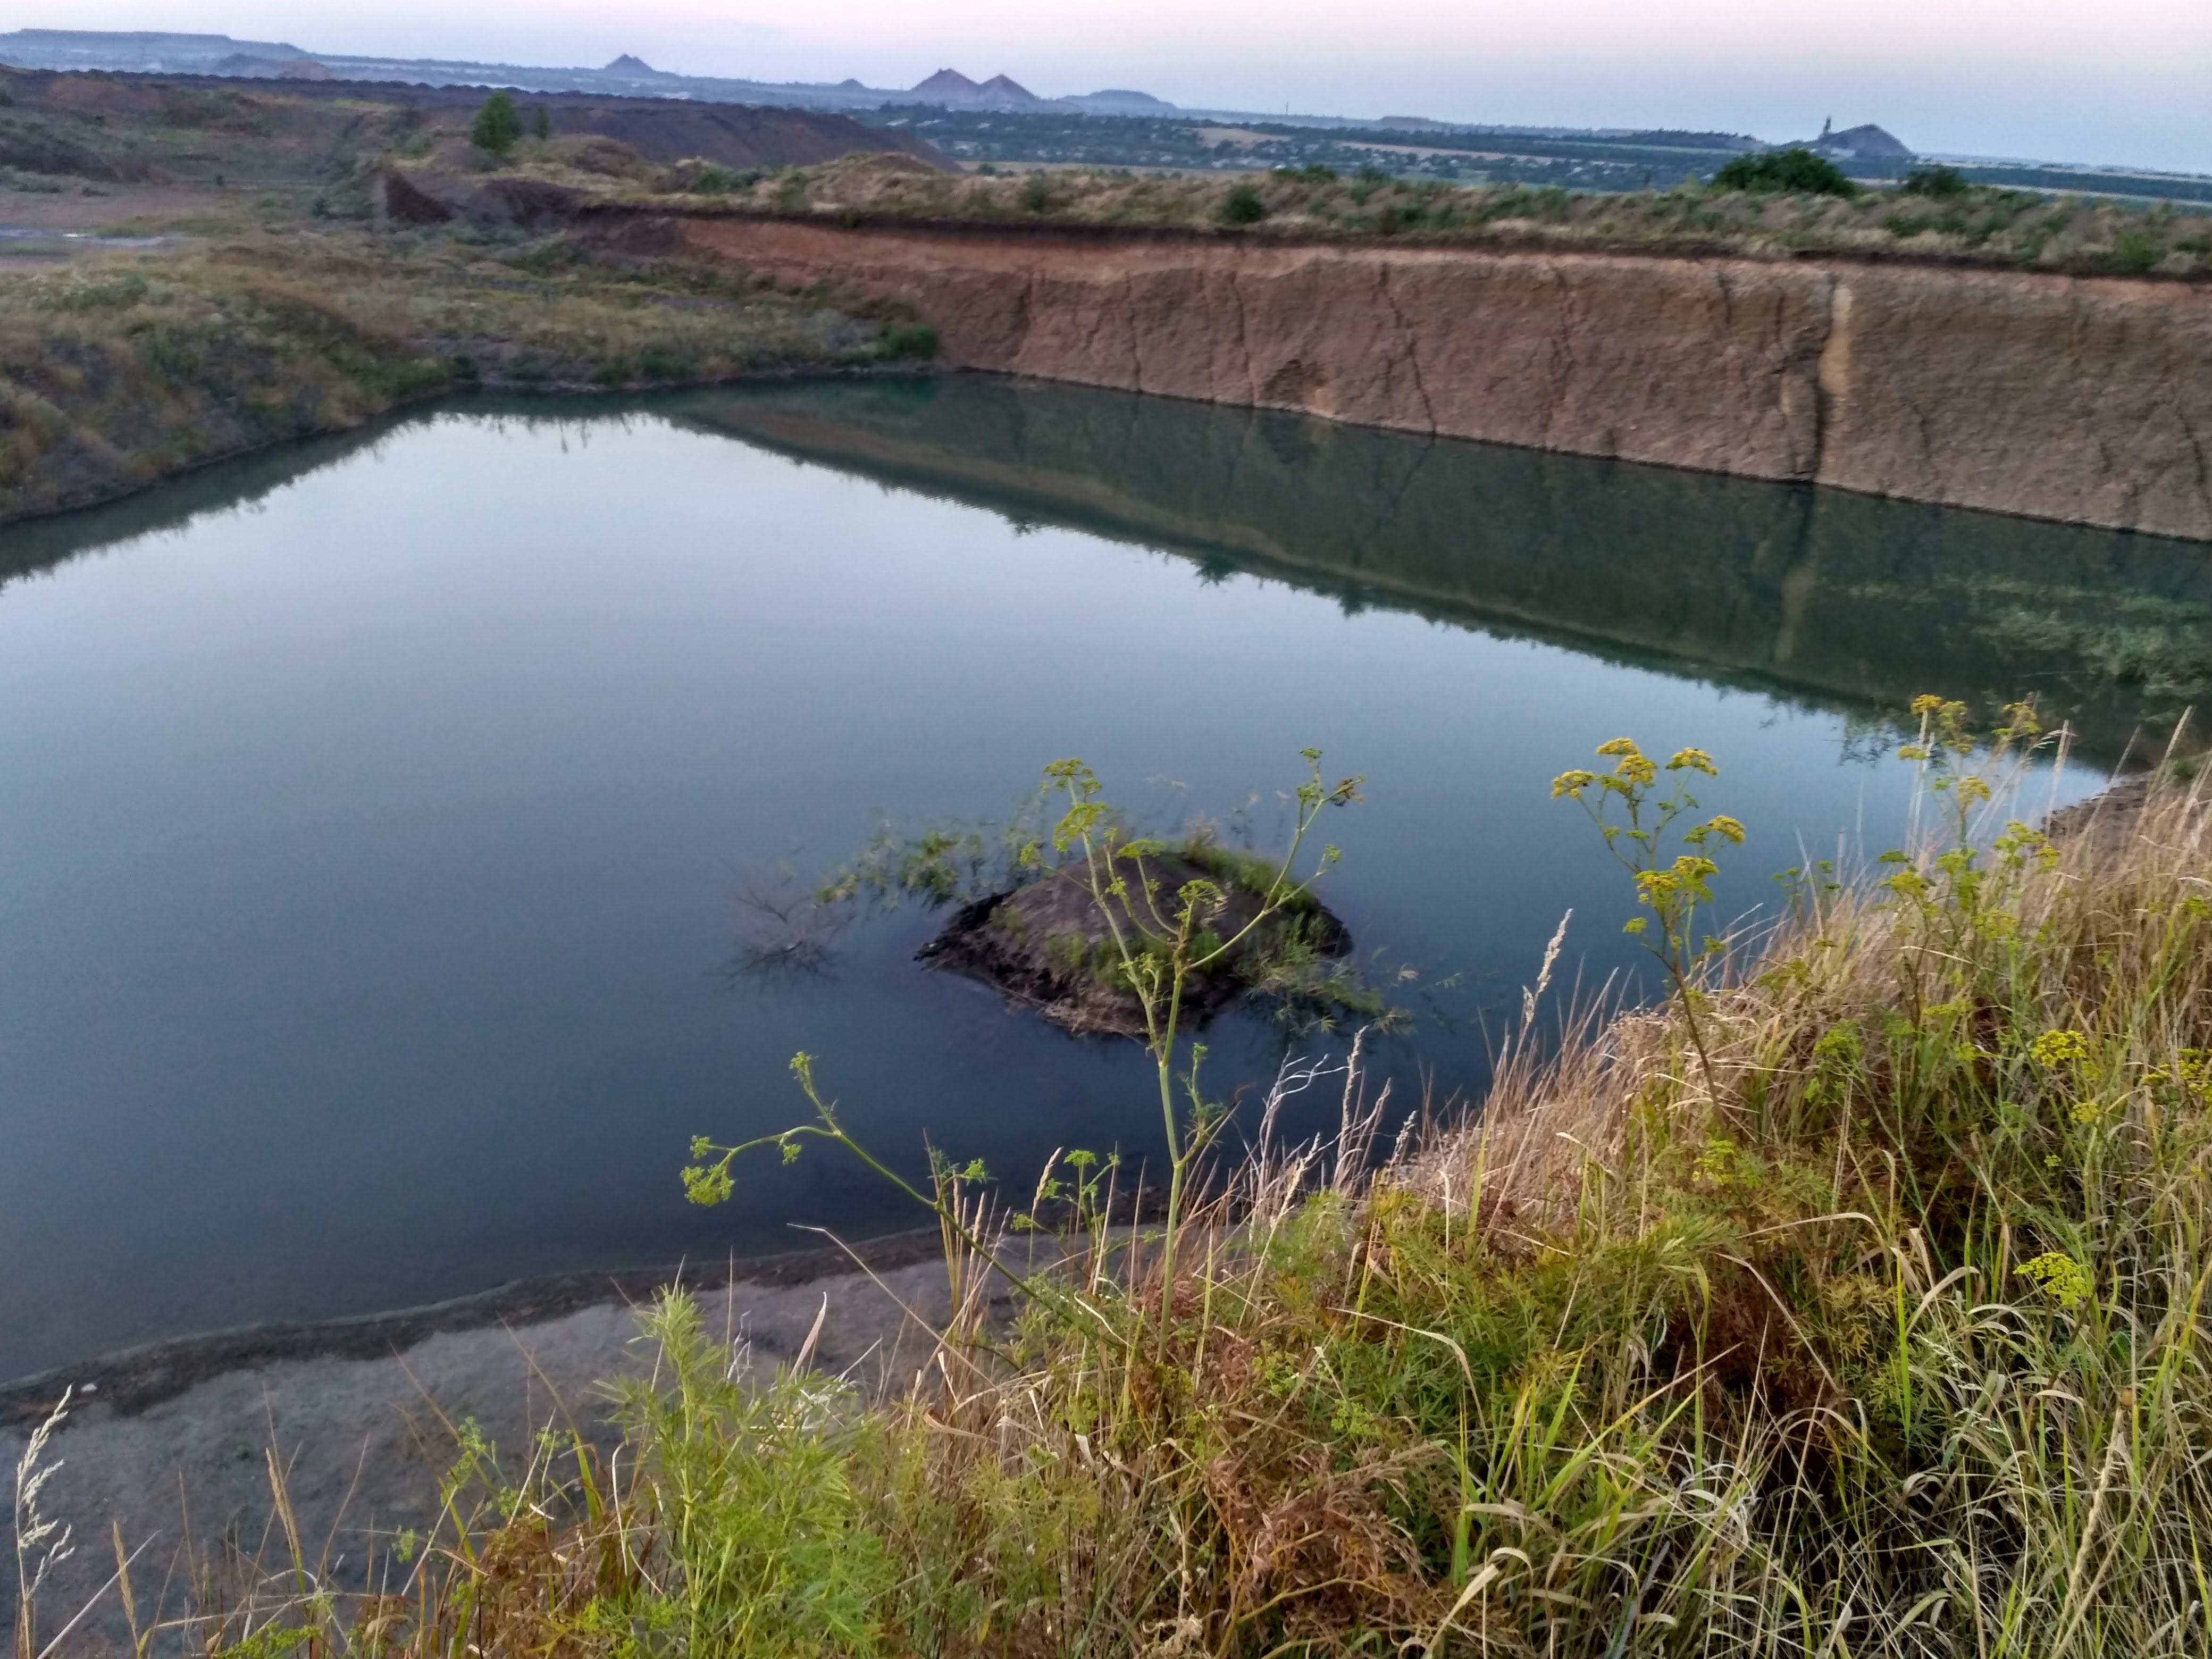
pixel 172 128
pixel 2082 399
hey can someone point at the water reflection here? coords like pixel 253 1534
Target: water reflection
pixel 1848 600
pixel 379 820
pixel 1845 600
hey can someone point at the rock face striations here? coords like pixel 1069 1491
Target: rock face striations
pixel 2086 399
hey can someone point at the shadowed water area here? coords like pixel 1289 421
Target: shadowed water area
pixel 374 816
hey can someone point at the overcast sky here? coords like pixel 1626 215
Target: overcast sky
pixel 2112 81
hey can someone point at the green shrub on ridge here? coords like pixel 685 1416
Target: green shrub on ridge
pixel 1793 172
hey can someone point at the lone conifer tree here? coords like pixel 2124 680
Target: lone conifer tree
pixel 541 124
pixel 497 127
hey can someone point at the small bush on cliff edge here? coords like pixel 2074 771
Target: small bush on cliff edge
pixel 917 340
pixel 1242 206
pixel 497 127
pixel 1936 180
pixel 1793 172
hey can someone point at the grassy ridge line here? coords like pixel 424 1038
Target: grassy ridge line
pixel 117 374
pixel 1854 1305
pixel 1996 228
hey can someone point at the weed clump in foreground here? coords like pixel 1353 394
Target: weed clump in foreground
pixel 1877 1327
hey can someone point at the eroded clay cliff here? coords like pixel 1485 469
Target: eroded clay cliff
pixel 2085 399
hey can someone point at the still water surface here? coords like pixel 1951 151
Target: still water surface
pixel 371 817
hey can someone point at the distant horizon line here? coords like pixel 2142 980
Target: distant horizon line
pixel 853 88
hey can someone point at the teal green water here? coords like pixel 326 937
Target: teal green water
pixel 373 817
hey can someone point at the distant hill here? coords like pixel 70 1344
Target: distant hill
pixel 57 124
pixel 249 68
pixel 1119 101
pixel 1864 143
pixel 627 75
pixel 955 91
pixel 148 52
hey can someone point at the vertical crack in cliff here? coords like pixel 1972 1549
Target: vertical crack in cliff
pixel 1026 315
pixel 1412 346
pixel 2173 380
pixel 1244 341
pixel 1254 412
pixel 1128 287
pixel 2204 469
pixel 1832 372
pixel 1094 317
pixel 1563 355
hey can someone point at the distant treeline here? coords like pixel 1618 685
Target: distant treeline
pixel 1631 160
pixel 2165 187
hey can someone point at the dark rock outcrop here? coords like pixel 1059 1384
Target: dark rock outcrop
pixel 1049 945
pixel 432 199
pixel 398 199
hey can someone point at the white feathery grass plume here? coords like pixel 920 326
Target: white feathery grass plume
pixel 1530 998
pixel 41 1543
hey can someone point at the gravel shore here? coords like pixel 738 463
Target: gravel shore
pixel 172 1444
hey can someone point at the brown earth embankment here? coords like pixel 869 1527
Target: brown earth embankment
pixel 2086 400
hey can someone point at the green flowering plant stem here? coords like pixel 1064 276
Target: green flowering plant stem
pixel 1959 891
pixel 1942 747
pixel 1637 818
pixel 1161 940
pixel 707 1182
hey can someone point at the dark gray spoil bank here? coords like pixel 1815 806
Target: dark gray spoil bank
pixel 1049 945
pixel 130 1381
pixel 172 1447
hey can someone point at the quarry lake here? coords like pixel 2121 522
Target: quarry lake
pixel 375 818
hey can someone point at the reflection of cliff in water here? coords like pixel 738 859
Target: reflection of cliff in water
pixel 33 545
pixel 1834 597
pixel 36 544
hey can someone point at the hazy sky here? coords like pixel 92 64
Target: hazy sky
pixel 2121 81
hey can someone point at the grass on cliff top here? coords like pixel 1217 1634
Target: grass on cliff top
pixel 117 372
pixel 1980 225
pixel 1851 1303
